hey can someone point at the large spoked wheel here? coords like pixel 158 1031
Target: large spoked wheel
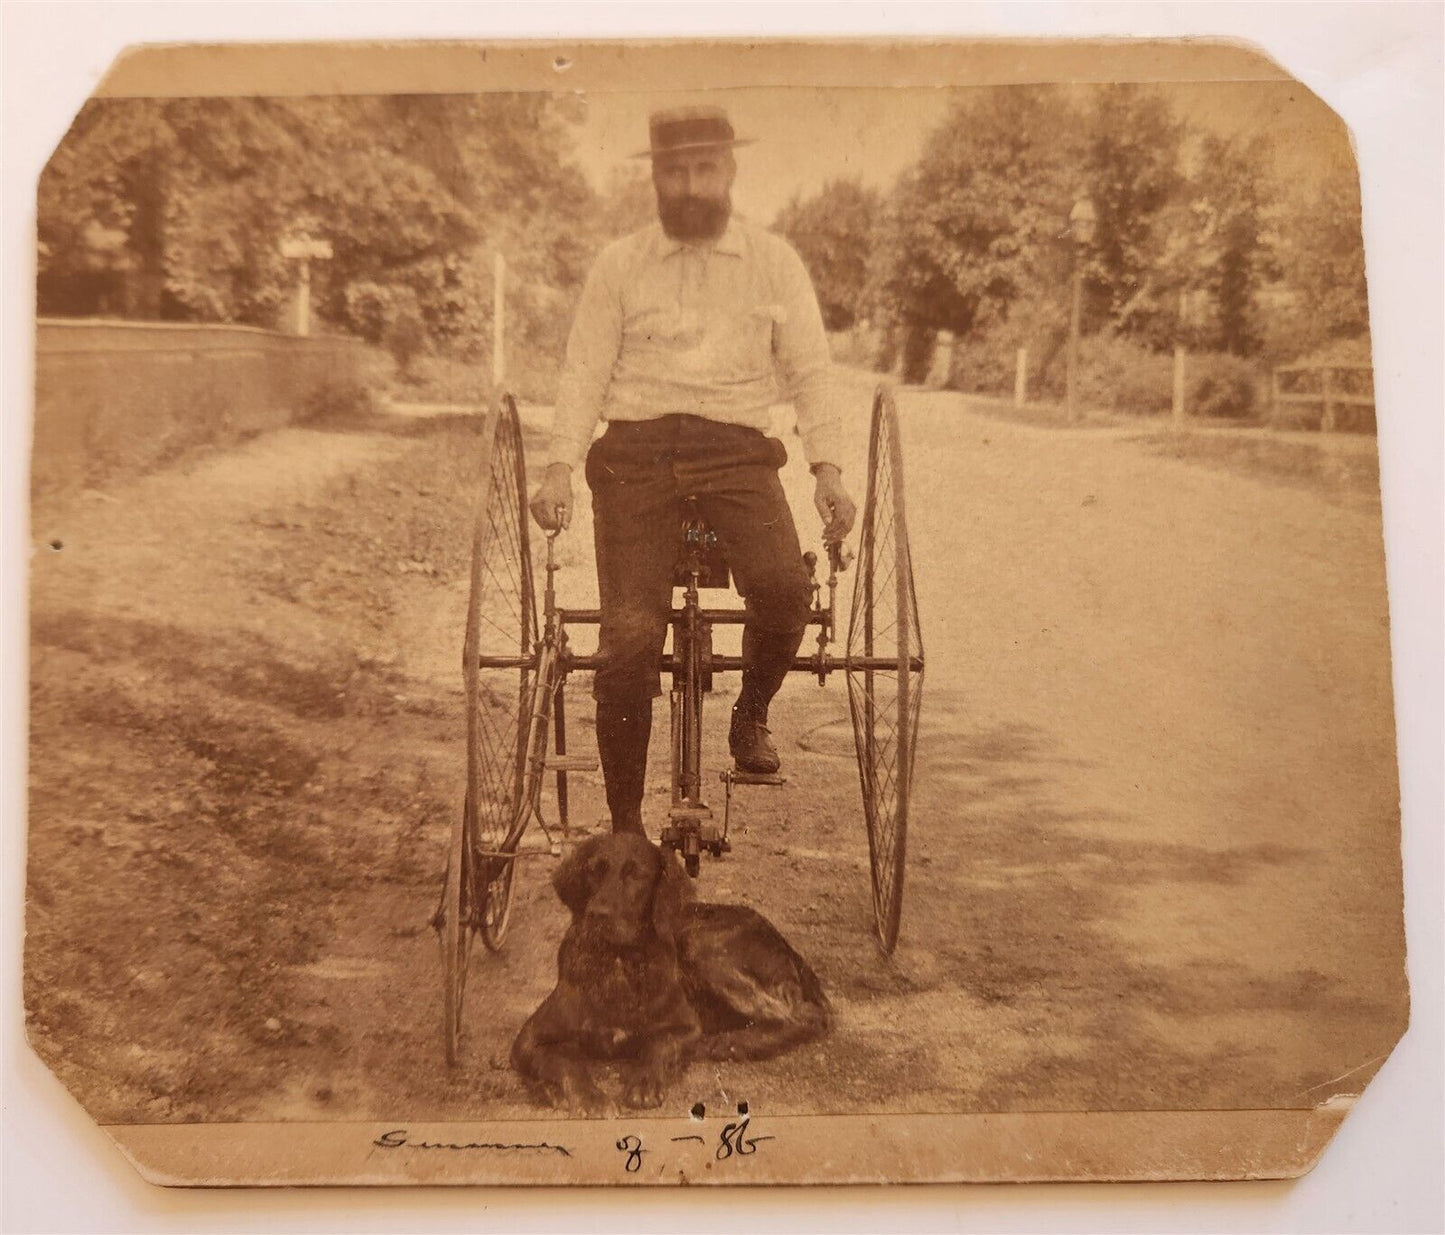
pixel 885 668
pixel 501 622
pixel 501 625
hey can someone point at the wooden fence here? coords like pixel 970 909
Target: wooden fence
pixel 1334 398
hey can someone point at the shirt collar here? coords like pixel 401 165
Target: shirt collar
pixel 730 242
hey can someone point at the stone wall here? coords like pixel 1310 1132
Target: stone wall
pixel 117 398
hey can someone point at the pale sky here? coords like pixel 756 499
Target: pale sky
pixel 804 137
pixel 807 136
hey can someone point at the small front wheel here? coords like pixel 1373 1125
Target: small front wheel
pixel 497 906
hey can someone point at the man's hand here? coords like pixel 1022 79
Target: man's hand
pixel 835 507
pixel 551 504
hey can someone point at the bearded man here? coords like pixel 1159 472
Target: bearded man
pixel 686 334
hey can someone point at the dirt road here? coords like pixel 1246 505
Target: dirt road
pixel 1153 840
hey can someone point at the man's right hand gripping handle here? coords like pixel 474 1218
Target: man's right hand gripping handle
pixel 551 504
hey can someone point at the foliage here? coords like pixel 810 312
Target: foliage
pixel 335 401
pixel 1322 261
pixel 175 208
pixel 414 194
pixel 1224 241
pixel 984 363
pixel 1221 386
pixel 975 223
pixel 833 233
pixel 406 340
pixel 628 204
pixel 1131 171
pixel 1195 243
pixel 1354 351
pixel 1116 374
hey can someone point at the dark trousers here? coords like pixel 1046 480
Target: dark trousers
pixel 639 473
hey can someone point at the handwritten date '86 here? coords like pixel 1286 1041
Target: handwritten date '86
pixel 733 1141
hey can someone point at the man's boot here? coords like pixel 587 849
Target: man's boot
pixel 623 731
pixel 767 657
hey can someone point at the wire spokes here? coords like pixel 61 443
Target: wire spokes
pixel 502 621
pixel 884 702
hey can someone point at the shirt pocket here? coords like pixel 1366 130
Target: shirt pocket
pixel 658 328
pixel 744 345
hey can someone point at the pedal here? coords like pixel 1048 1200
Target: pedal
pixel 689 814
pixel 570 763
pixel 732 776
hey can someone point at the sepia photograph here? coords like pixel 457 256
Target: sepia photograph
pixel 631 620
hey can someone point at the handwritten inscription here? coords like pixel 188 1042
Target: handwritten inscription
pixel 632 1147
pixel 399 1138
pixel 733 1141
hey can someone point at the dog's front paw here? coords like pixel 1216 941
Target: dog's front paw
pixel 589 1101
pixel 643 1090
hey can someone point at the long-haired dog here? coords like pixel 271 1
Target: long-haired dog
pixel 650 980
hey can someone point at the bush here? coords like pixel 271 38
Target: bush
pixel 1358 380
pixel 984 364
pixel 1116 374
pixel 1221 387
pixel 336 400
pixel 1355 351
pixel 406 340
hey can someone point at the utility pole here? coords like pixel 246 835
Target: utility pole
pixel 1075 312
pixel 499 321
pixel 1082 220
pixel 1177 409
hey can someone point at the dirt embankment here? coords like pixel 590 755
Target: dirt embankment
pixel 223 743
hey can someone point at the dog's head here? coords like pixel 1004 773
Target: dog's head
pixel 624 889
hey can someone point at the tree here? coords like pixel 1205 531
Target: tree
pixel 975 224
pixel 1230 251
pixel 629 203
pixel 1132 174
pixel 159 172
pixel 1322 255
pixel 414 193
pixel 833 232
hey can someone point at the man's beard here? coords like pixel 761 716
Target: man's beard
pixel 694 218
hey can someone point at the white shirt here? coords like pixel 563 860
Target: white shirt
pixel 722 329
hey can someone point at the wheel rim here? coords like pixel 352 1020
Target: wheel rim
pixel 497 907
pixel 884 702
pixel 501 621
pixel 455 930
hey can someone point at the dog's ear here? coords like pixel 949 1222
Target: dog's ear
pixel 670 896
pixel 572 882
